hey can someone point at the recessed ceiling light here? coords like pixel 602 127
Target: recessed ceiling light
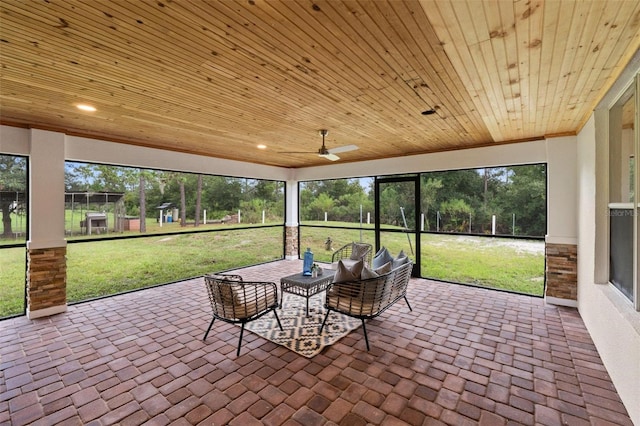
pixel 261 146
pixel 85 107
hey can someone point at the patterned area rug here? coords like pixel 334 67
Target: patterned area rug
pixel 302 334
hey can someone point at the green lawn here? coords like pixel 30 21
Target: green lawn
pixel 108 267
pixel 101 268
pixel 12 280
pixel 515 265
pixel 507 264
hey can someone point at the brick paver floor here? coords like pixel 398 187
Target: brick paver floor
pixel 464 356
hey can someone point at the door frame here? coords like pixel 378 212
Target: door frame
pixel 415 178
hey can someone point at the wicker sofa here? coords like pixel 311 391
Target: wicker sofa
pixel 368 298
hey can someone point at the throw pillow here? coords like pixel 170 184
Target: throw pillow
pixel 368 273
pixel 400 260
pixel 344 273
pixel 223 288
pixel 386 268
pixel 358 251
pixel 379 252
pixel 383 256
pixel 226 294
pixel 374 273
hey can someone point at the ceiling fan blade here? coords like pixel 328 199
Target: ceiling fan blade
pixel 330 157
pixel 343 149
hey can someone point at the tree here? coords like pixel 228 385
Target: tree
pixel 183 203
pixel 13 177
pixel 390 206
pixel 321 204
pixel 456 211
pixel 143 202
pixel 85 177
pixel 429 194
pixel 525 196
pixel 198 201
pixel 347 196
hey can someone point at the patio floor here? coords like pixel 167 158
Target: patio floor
pixel 463 356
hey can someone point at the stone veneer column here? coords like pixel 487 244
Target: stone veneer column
pixel 46 279
pixel 291 242
pixel 561 273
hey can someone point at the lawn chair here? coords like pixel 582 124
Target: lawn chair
pixel 239 302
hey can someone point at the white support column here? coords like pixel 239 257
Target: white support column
pixel 291 214
pixel 291 219
pixel 46 189
pixel 562 230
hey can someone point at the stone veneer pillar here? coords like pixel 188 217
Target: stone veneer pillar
pixel 561 273
pixel 291 243
pixel 46 280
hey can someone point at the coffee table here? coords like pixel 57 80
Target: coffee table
pixel 306 287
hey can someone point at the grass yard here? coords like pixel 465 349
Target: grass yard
pixel 12 281
pixel 107 267
pixel 515 265
pixel 506 264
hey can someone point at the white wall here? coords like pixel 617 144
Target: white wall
pixel 611 320
pixel 92 150
pixel 14 140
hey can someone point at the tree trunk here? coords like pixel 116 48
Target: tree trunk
pixel 183 206
pixel 143 204
pixel 486 185
pixel 198 201
pixel 6 220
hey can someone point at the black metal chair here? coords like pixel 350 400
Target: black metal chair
pixel 236 301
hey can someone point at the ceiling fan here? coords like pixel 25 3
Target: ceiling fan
pixel 329 154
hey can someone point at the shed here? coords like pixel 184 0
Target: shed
pixel 93 208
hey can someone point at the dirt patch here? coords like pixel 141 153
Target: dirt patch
pixel 521 246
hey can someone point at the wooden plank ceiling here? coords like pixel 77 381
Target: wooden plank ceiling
pixel 218 78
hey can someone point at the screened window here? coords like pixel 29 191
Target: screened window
pixel 623 150
pixel 479 226
pixel 130 228
pixel 335 212
pixel 486 227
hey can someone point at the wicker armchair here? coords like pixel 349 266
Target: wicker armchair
pixel 351 253
pixel 238 302
pixel 368 298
